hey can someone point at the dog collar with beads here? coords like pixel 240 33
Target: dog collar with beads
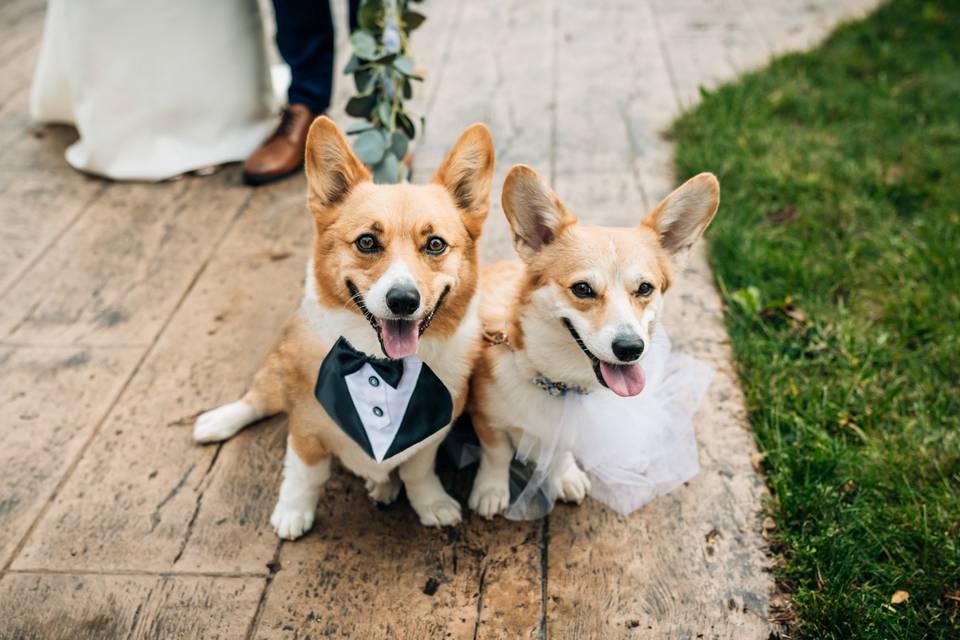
pixel 558 389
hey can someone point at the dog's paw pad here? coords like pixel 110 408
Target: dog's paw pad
pixel 489 500
pixel 573 485
pixel 383 492
pixel 223 422
pixel 290 523
pixel 440 513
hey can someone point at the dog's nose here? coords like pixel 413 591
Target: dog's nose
pixel 403 301
pixel 627 348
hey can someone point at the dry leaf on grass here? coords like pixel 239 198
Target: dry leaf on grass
pixel 900 597
pixel 846 422
pixel 796 314
pixel 781 215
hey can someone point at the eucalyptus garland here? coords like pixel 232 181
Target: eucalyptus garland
pixel 383 72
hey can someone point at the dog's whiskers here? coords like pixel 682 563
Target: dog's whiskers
pixel 355 299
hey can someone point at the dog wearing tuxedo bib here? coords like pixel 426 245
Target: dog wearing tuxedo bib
pixel 374 365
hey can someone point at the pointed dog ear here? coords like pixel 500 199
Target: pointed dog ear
pixel 682 217
pixel 533 210
pixel 467 174
pixel 332 168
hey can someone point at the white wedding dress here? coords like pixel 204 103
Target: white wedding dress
pixel 155 88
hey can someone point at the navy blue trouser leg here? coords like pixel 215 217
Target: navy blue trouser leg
pixel 306 41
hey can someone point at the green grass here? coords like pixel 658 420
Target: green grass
pixel 837 248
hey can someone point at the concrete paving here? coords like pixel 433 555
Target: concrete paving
pixel 125 309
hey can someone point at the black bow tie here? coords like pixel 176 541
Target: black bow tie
pixel 350 360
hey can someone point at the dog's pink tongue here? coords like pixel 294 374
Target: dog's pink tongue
pixel 400 338
pixel 623 379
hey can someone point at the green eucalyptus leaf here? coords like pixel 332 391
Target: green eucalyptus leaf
pixel 413 19
pixel 364 44
pixel 405 65
pixel 384 81
pixel 404 172
pixel 359 127
pixel 364 79
pixel 352 65
pixel 369 147
pixel 399 144
pixel 387 170
pixel 405 123
pixel 391 39
pixel 370 14
pixel 385 114
pixel 361 106
pixel 390 83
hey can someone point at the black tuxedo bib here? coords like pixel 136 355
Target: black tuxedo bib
pixel 385 406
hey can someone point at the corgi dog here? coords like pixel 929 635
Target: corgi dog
pixel 390 287
pixel 572 315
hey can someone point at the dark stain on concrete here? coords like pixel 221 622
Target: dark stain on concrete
pixel 76 360
pixel 110 316
pixel 8 504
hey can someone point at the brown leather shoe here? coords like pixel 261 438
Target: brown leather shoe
pixel 282 153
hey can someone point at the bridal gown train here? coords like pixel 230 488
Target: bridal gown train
pixel 155 88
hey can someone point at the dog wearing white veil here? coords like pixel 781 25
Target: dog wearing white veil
pixel 578 379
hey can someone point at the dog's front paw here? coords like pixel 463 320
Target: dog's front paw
pixel 291 522
pixel 223 422
pixel 383 492
pixel 437 511
pixel 488 497
pixel 440 513
pixel 572 485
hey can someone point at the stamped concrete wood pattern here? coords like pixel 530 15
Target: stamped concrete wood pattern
pixel 125 309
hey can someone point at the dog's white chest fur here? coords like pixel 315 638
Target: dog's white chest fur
pixel 520 402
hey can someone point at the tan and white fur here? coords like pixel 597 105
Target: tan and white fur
pixel 404 222
pixel 604 285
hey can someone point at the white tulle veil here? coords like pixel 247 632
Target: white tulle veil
pixel 633 449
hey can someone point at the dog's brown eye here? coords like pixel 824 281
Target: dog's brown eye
pixel 435 245
pixel 583 290
pixel 367 244
pixel 644 290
